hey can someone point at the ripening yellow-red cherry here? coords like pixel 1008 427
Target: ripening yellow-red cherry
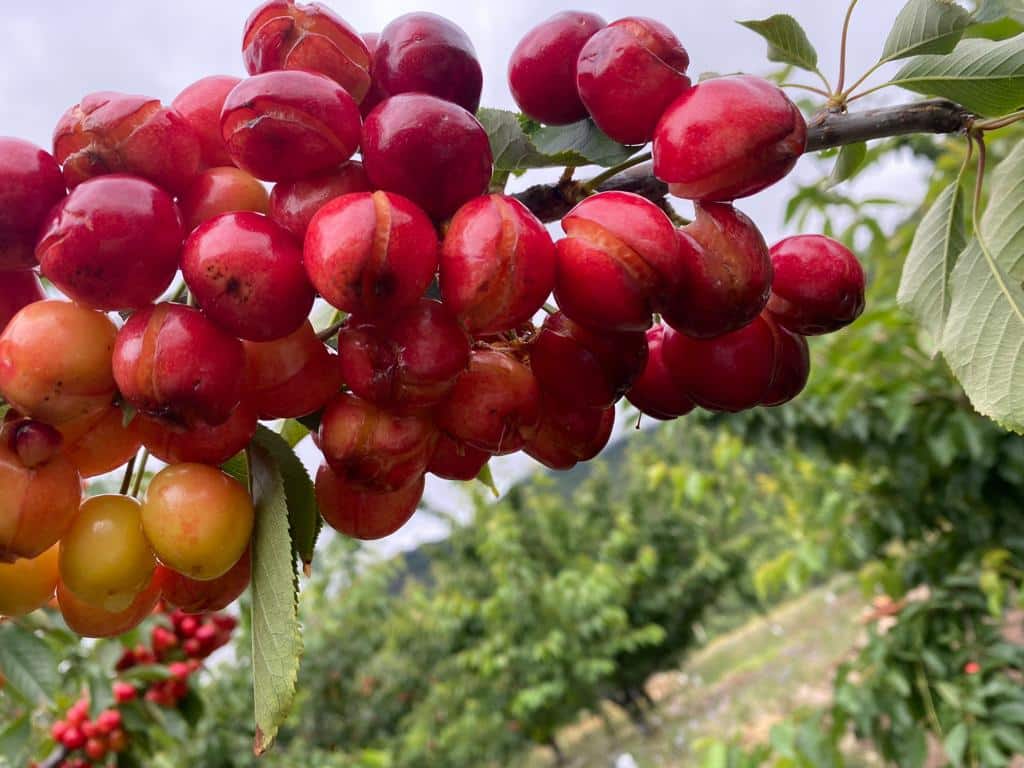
pixel 89 621
pixel 198 519
pixel 105 558
pixel 100 442
pixel 26 585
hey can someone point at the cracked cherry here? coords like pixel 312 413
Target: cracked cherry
pixel 792 365
pixel 26 585
pixel 728 137
pixel 654 392
pixel 294 203
pixel 197 442
pixel 454 460
pixel 568 435
pixel 361 514
pixel 17 291
pixel 200 104
pixel 221 190
pixel 30 185
pixel 290 377
pixel 100 443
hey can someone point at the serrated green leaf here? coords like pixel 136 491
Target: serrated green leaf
pixel 926 26
pixel 955 743
pixel 303 515
pixel 583 141
pixel 939 239
pixel 276 640
pixel 294 432
pixel 983 340
pixel 238 467
pixel 29 664
pixel 849 162
pixel 985 76
pixel 787 41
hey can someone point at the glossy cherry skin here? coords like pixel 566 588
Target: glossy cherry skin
pixel 246 274
pixel 371 254
pixel 620 256
pixel 220 190
pixel 792 365
pixel 90 621
pixel 199 442
pixel 728 137
pixel 427 149
pixel 289 124
pixel 818 286
pixel 542 68
pixel 113 243
pixel 100 443
pixel 193 597
pixel 27 585
pixel 731 372
pixel 34 442
pixel 110 132
pixel 17 291
pixel 290 377
pixel 494 406
pixel 569 434
pixel 497 264
pixel 454 460
pixel 30 185
pixel 407 362
pixel 585 368
pixel 55 361
pixel 294 203
pixel 654 392
pixel 362 514
pixel 426 53
pixel 200 104
pixel 170 361
pixel 725 273
pixel 283 34
pixel 628 73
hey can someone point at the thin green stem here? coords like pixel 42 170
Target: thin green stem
pixel 810 88
pixel 1000 122
pixel 615 170
pixel 330 330
pixel 842 47
pixel 824 81
pixel 137 485
pixel 868 92
pixel 926 694
pixel 126 482
pixel 845 95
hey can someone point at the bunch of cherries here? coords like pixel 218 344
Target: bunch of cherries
pixel 438 364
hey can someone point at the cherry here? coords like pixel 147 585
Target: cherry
pixel 26 585
pixel 198 519
pixel 90 621
pixel 30 185
pixel 728 137
pixel 654 392
pixel 17 291
pixel 430 150
pixel 289 124
pixel 355 512
pixel 497 264
pixel 371 254
pixel 628 73
pixel 246 274
pixel 109 720
pixel 73 377
pixel 290 377
pixel 294 203
pixel 124 692
pixel 731 372
pixel 372 448
pixel 200 104
pixel 585 368
pixel 454 460
pixel 792 365
pixel 221 190
pixel 283 34
pixel 110 132
pixel 113 243
pixel 118 741
pixel 198 442
pixel 73 738
pixel 191 596
pixel 569 434
pixel 542 68
pixel 818 286
pixel 170 361
pixel 725 273
pixel 100 443
pixel 494 406
pixel 409 361
pixel 34 442
pixel 426 53
pixel 619 256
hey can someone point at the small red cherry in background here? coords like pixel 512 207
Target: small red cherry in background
pixel 30 185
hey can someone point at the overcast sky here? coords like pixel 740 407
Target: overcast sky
pixel 55 52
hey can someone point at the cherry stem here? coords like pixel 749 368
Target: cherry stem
pixel 1000 122
pixel 811 88
pixel 615 170
pixel 845 95
pixel 567 174
pixel 842 47
pixel 550 308
pixel 126 482
pixel 137 485
pixel 330 330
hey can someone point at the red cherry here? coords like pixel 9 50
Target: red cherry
pixel 124 692
pixel 113 243
pixel 430 150
pixel 569 434
pixel 792 365
pixel 73 738
pixel 35 443
pixel 454 460
pixel 198 442
pixel 728 137
pixel 58 729
pixel 17 291
pixel 118 741
pixel 542 68
pixel 497 264
pixel 30 185
pixel 818 286
pixel 654 392
pixel 362 514
pixel 96 749
pixel 628 73
pixel 192 596
pixel 109 720
pixel 180 670
pixel 289 124
pixel 221 190
pixel 200 104
pixel 294 203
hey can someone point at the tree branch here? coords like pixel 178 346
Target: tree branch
pixel 550 202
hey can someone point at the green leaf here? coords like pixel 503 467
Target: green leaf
pixel 926 26
pixel 276 640
pixel 939 239
pixel 787 41
pixel 994 10
pixel 15 738
pixel 294 432
pixel 29 664
pixel 956 743
pixel 584 141
pixel 983 340
pixel 486 477
pixel 1009 712
pixel 985 76
pixel 848 164
pixel 303 515
pixel 128 413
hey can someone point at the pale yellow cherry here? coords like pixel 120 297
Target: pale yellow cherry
pixel 26 585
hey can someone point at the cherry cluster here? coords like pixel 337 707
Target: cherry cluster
pixel 93 739
pixel 438 364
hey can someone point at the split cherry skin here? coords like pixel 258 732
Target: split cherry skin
pixel 30 185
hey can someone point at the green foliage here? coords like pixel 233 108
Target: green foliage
pixel 926 27
pixel 787 41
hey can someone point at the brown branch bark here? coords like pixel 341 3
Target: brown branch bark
pixel 828 130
